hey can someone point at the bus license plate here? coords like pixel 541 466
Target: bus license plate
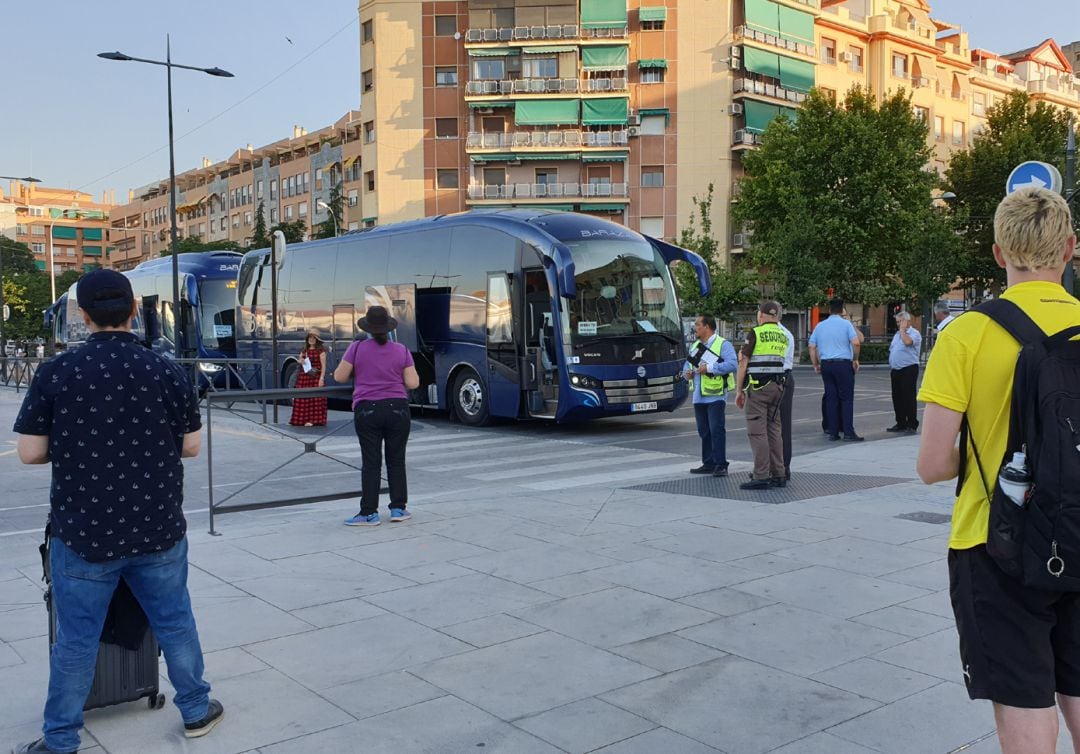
pixel 647 406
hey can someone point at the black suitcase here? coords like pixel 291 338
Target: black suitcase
pixel 121 675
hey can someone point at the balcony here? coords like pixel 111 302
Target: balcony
pixel 753 86
pixel 546 139
pixel 744 138
pixel 542 33
pixel 544 86
pixel 547 190
pixel 919 82
pixel 800 48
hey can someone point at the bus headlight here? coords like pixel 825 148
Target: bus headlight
pixel 583 380
pixel 209 368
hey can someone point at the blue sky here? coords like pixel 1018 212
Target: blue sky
pixel 77 121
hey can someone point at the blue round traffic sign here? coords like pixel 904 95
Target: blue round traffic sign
pixel 1034 174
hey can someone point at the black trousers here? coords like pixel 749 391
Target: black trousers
pixel 903 396
pixel 785 415
pixel 838 376
pixel 378 423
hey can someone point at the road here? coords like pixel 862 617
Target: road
pixel 442 454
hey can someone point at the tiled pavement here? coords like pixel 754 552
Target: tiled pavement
pixel 528 612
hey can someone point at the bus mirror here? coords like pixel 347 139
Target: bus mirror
pixel 150 318
pixel 277 244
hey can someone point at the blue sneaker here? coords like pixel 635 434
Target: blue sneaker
pixel 358 520
pixel 399 514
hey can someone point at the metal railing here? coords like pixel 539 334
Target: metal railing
pixel 503 87
pixel 17 371
pixel 754 86
pixel 539 139
pixel 802 48
pixel 547 31
pixel 547 190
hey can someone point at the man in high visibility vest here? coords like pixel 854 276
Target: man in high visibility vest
pixel 760 388
pixel 711 366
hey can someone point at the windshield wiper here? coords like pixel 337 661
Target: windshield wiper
pixel 635 336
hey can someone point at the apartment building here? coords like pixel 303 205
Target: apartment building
pixel 70 224
pixel 219 201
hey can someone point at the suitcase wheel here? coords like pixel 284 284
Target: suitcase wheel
pixel 157 701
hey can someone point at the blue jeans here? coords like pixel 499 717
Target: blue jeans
pixel 81 593
pixel 839 380
pixel 711 427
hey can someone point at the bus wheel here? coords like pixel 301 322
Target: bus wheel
pixel 470 400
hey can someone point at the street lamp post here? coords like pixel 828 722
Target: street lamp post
pixel 324 205
pixel 3 351
pixel 1069 190
pixel 178 312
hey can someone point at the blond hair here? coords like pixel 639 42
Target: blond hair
pixel 1031 227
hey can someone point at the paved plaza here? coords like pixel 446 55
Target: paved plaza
pixel 549 595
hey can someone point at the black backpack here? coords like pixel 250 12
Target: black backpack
pixel 1038 542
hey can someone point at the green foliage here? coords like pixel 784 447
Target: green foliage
pixel 260 238
pixel 328 227
pixel 732 288
pixel 18 258
pixel 192 244
pixel 840 198
pixel 294 231
pixel 1016 131
pixel 66 280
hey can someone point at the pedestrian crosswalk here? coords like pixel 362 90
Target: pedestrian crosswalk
pixel 516 459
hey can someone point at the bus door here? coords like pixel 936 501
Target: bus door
pixel 540 362
pixel 503 367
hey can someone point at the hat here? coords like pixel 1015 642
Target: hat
pixel 770 308
pixel 104 291
pixel 377 321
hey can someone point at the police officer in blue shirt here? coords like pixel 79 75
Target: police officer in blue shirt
pixel 834 352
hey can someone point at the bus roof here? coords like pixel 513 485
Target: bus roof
pixel 195 262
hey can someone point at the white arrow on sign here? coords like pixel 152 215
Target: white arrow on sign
pixel 1035 182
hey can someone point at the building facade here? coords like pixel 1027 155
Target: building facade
pixel 66 229
pixel 220 201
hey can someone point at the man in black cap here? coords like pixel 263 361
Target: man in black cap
pixel 114 419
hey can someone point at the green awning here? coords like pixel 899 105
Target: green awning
pixel 369 219
pixel 548 156
pixel 796 74
pixel 606 157
pixel 603 14
pixel 90 267
pixel 796 25
pixel 604 58
pixel 546 112
pixel 652 63
pixel 763 15
pixel 790 113
pixel 109 251
pixel 642 112
pixel 758 115
pixel 502 103
pixel 759 61
pixel 603 207
pixel 556 207
pixel 39 263
pixel 500 157
pixel 91 251
pixel 91 234
pixel 653 13
pixel 491 52
pixel 604 112
pixel 548 50
pixel 61 231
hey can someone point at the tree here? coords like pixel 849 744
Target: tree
pixel 260 239
pixel 328 228
pixel 294 231
pixel 18 257
pixel 1016 131
pixel 194 243
pixel 731 287
pixel 28 296
pixel 66 280
pixel 838 197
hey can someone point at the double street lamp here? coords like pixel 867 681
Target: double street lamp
pixel 169 65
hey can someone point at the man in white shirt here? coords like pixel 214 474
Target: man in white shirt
pixel 942 315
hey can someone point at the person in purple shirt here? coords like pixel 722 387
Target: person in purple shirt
pixel 382 372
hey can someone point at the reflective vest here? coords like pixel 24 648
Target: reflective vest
pixel 713 384
pixel 767 359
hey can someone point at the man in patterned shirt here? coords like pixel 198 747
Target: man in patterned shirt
pixel 114 419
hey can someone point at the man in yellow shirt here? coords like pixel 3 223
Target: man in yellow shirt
pixel 1019 646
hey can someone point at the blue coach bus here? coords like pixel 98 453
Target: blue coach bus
pixel 510 313
pixel 207 304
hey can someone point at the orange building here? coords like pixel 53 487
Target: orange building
pixel 70 224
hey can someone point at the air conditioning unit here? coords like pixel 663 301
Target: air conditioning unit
pixel 633 131
pixel 633 119
pixel 484 110
pixel 513 162
pixel 738 239
pixel 736 51
pixel 736 108
pixel 745 137
pixel 844 57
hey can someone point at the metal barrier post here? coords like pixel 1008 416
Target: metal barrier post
pixel 210 462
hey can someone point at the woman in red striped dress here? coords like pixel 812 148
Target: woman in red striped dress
pixel 311 412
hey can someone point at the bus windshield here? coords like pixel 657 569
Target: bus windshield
pixel 623 289
pixel 217 315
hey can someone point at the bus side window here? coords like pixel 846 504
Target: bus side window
pixel 168 328
pixel 150 318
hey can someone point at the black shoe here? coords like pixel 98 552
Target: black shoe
pixel 896 428
pixel 720 470
pixel 756 484
pixel 703 469
pixel 214 713
pixel 787 474
pixel 853 438
pixel 911 430
pixel 38 747
pixel 833 438
pixel 778 481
